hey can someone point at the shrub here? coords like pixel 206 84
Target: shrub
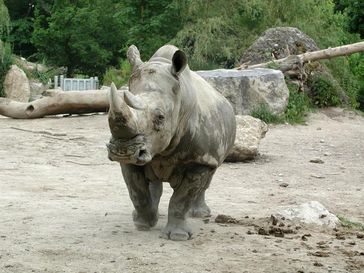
pixel 117 76
pixel 6 60
pixel 262 112
pixel 298 106
pixel 323 92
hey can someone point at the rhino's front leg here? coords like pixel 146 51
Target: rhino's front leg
pixel 146 205
pixel 188 185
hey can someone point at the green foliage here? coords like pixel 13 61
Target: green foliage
pixel 150 24
pixel 345 222
pixel 357 68
pixel 78 35
pixel 262 112
pixel 4 20
pixel 355 14
pixel 298 106
pixel 21 14
pixel 323 92
pixel 6 60
pixel 117 76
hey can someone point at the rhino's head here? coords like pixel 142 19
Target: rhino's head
pixel 143 119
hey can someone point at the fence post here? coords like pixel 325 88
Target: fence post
pixel 55 82
pixel 62 83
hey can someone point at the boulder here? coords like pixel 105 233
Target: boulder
pixel 312 212
pixel 249 132
pixel 16 85
pixel 280 42
pixel 250 88
pixel 277 43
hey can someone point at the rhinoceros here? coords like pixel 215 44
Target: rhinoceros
pixel 171 126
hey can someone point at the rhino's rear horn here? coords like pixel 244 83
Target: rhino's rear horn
pixel 134 57
pixel 134 101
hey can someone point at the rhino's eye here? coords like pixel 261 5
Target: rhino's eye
pixel 158 120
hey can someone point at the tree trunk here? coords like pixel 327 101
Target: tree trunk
pixel 57 102
pixel 294 61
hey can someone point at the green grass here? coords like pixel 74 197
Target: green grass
pixel 263 113
pixel 351 224
pixel 298 107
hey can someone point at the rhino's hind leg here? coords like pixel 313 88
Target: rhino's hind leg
pixel 189 185
pixel 145 214
pixel 199 207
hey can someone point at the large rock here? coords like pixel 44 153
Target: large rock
pixel 249 132
pixel 278 43
pixel 16 85
pixel 248 89
pixel 312 212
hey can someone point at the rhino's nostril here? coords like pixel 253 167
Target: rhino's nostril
pixel 142 153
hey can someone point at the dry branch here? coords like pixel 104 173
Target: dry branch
pixel 293 61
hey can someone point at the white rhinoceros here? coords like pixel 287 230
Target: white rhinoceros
pixel 171 125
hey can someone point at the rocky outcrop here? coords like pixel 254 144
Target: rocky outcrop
pixel 248 89
pixel 277 43
pixel 16 85
pixel 249 132
pixel 280 42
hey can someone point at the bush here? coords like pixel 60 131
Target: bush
pixel 6 60
pixel 262 112
pixel 323 92
pixel 118 76
pixel 298 106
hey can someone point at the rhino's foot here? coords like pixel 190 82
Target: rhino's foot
pixel 145 222
pixel 176 232
pixel 200 211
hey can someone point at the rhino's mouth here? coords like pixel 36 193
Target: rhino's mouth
pixel 131 151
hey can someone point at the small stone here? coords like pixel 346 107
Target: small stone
pixel 284 185
pixel 322 141
pixel 262 231
pixel 360 236
pixel 274 220
pixel 317 264
pixel 317 160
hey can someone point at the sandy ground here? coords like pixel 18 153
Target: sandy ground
pixel 64 207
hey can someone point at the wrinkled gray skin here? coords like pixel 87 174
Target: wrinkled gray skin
pixel 171 127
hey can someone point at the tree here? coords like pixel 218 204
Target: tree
pixel 150 24
pixel 83 37
pixel 355 11
pixel 4 20
pixel 21 15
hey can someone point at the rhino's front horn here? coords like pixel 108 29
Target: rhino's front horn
pixel 120 111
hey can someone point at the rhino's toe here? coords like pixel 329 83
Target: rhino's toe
pixel 176 233
pixel 144 222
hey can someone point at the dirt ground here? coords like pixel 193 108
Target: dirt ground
pixel 64 206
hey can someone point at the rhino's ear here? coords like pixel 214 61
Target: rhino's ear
pixel 134 57
pixel 179 62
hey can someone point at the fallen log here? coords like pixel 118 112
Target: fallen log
pixel 57 102
pixel 294 61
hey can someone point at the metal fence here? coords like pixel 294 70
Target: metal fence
pixel 73 84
